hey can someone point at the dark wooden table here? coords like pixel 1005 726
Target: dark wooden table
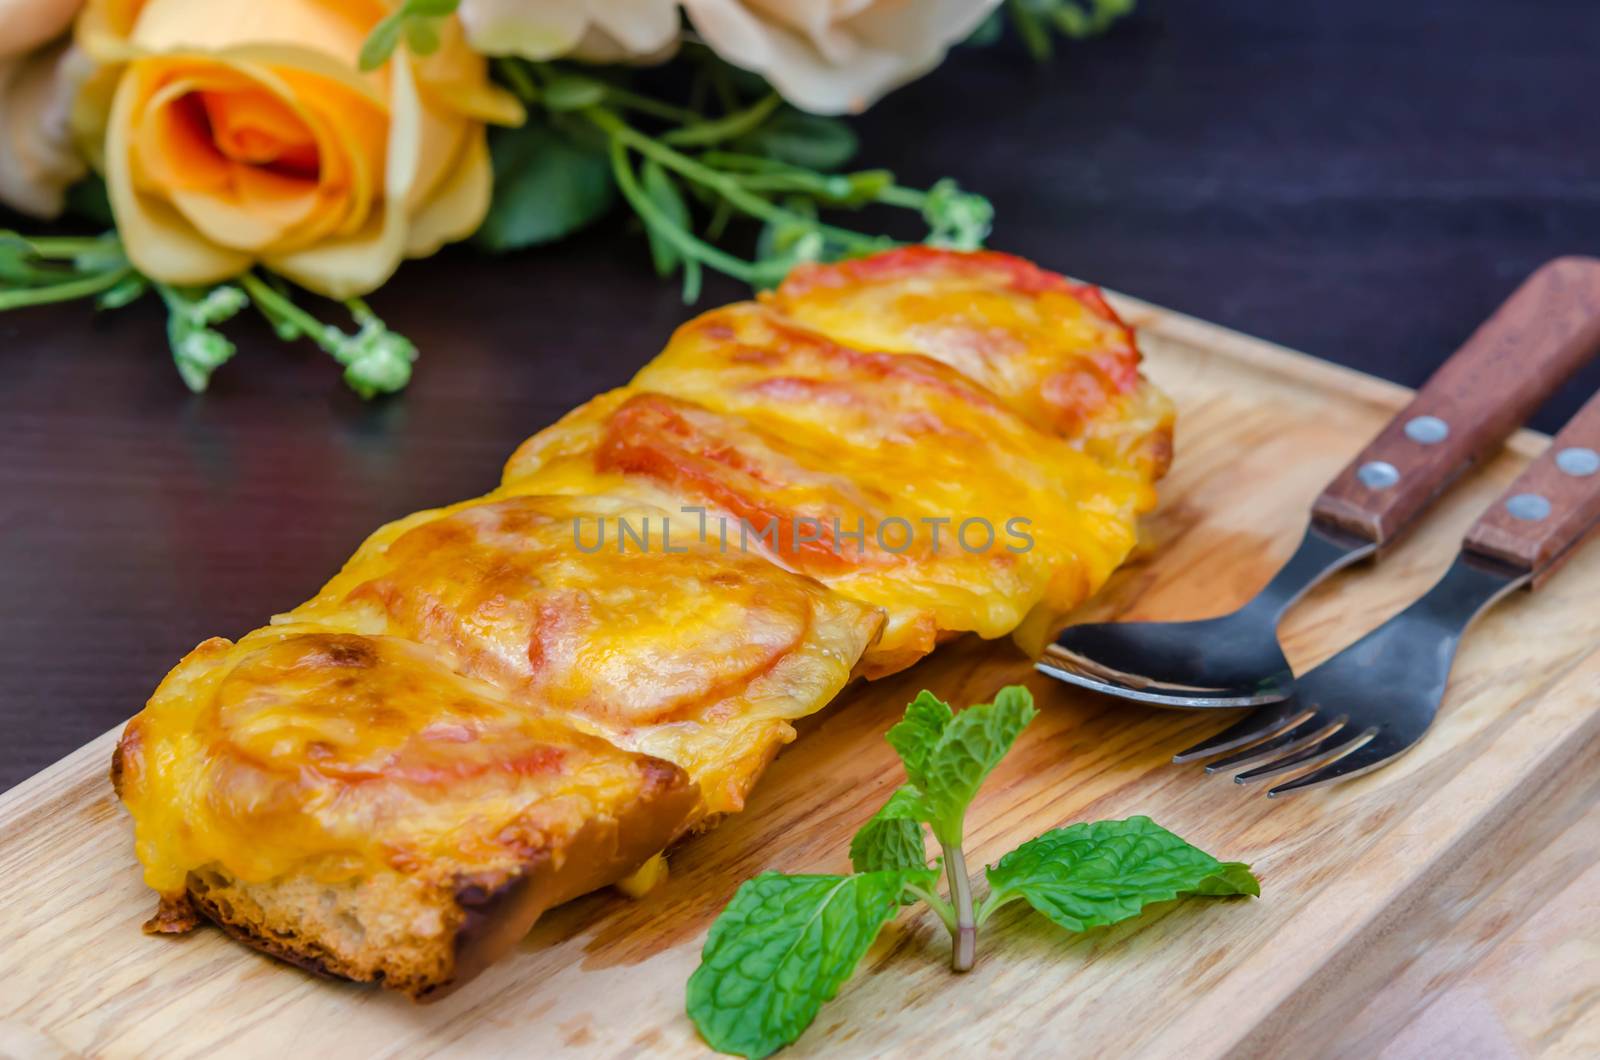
pixel 1361 180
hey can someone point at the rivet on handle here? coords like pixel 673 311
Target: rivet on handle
pixel 1427 430
pixel 1578 461
pixel 1530 507
pixel 1378 474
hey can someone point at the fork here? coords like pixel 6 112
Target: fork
pixel 1374 700
pixel 1543 333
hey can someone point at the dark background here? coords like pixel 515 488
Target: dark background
pixel 1363 180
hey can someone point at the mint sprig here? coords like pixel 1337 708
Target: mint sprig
pixel 786 944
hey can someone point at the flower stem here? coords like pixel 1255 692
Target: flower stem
pixel 622 97
pixel 728 188
pixel 63 292
pixel 681 240
pixel 58 247
pixel 286 317
pixel 965 932
pixel 727 127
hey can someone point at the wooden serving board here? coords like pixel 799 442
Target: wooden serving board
pixel 1451 894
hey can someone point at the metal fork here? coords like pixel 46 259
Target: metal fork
pixel 1540 336
pixel 1375 699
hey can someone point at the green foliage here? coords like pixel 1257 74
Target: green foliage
pixel 892 838
pixel 198 349
pixel 913 737
pixel 413 20
pixel 569 91
pixel 785 944
pixel 808 141
pixel 548 183
pixel 38 271
pixel 1037 21
pixel 1093 874
pixel 747 157
pixel 781 948
pixel 375 359
pixel 967 748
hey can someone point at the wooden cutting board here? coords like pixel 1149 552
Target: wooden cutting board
pixel 1406 903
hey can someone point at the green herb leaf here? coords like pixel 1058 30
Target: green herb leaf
pixel 893 838
pixel 1231 878
pixel 547 184
pixel 806 140
pixel 1075 19
pixel 1089 875
pixel 127 291
pixel 969 746
pixel 663 191
pixel 413 19
pixel 382 41
pixel 783 947
pixel 572 92
pixel 915 735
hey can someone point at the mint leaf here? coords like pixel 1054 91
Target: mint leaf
pixel 781 948
pixel 1089 875
pixel 1231 878
pixel 893 838
pixel 547 184
pixel 968 747
pixel 914 736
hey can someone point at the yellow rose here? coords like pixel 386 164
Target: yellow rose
pixel 241 132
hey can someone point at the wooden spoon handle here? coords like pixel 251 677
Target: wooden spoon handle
pixel 1552 505
pixel 1535 341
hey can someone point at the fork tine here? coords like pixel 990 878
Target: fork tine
pixel 1315 727
pixel 1248 729
pixel 1325 751
pixel 1368 757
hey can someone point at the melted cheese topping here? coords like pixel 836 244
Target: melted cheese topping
pixel 1051 348
pixel 302 749
pixel 481 680
pixel 772 425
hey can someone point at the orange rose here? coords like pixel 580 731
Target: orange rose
pixel 240 132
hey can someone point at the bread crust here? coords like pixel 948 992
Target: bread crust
pixel 478 918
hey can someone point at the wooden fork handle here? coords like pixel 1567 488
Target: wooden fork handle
pixel 1552 506
pixel 1535 341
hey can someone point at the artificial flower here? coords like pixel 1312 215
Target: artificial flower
pixel 835 56
pixel 38 157
pixel 27 25
pixel 599 31
pixel 238 132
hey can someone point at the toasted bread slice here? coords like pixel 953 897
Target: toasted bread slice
pixel 501 704
pixel 364 812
